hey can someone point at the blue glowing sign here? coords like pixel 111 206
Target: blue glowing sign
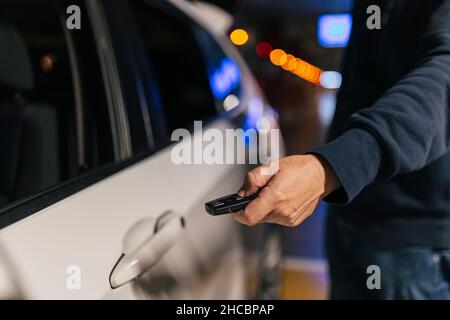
pixel 334 30
pixel 225 78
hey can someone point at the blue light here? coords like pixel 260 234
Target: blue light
pixel 254 114
pixel 334 30
pixel 225 78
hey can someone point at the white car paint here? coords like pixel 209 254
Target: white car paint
pixel 87 228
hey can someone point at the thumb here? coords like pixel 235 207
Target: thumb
pixel 255 180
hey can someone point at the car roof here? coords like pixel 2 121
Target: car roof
pixel 213 18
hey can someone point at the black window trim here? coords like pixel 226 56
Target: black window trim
pixel 130 65
pixel 114 94
pixel 78 96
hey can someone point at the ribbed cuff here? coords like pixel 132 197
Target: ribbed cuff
pixel 355 157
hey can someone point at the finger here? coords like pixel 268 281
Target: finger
pixel 271 218
pixel 276 217
pixel 299 220
pixel 254 180
pixel 259 208
pixel 306 212
pixel 239 217
pixel 252 183
pixel 292 220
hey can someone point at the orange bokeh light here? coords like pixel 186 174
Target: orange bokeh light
pixel 47 62
pixel 297 66
pixel 308 72
pixel 290 63
pixel 278 57
pixel 300 68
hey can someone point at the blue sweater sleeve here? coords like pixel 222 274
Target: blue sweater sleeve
pixel 407 128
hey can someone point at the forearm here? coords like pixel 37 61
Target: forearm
pixel 407 128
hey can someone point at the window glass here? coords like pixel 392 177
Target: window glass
pixel 179 65
pixel 223 72
pixel 43 130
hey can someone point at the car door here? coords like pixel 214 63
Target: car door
pixel 66 235
pixel 173 61
pixel 199 80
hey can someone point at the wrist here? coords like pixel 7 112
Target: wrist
pixel 326 175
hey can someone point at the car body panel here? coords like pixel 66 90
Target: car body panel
pixel 87 228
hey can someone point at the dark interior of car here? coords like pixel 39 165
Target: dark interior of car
pixel 178 64
pixel 35 101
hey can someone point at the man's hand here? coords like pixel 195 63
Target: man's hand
pixel 291 194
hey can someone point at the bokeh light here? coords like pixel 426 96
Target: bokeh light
pixel 292 64
pixel 300 68
pixel 278 57
pixel 287 65
pixel 47 62
pixel 239 37
pixel 289 62
pixel 331 79
pixel 263 49
pixel 231 102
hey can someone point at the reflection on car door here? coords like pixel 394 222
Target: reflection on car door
pixel 207 262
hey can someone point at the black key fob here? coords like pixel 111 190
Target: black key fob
pixel 228 204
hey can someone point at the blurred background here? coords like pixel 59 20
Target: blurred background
pixel 313 33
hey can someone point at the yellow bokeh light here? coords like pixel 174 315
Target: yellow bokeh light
pixel 239 37
pixel 278 57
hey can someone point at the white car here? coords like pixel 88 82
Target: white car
pixel 91 204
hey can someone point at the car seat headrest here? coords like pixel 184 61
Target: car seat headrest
pixel 15 65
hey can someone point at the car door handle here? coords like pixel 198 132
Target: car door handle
pixel 144 244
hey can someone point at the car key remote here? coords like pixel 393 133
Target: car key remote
pixel 228 204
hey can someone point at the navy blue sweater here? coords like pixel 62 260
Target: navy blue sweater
pixel 389 141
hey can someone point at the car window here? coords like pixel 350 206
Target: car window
pixel 223 72
pixel 54 121
pixel 179 63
